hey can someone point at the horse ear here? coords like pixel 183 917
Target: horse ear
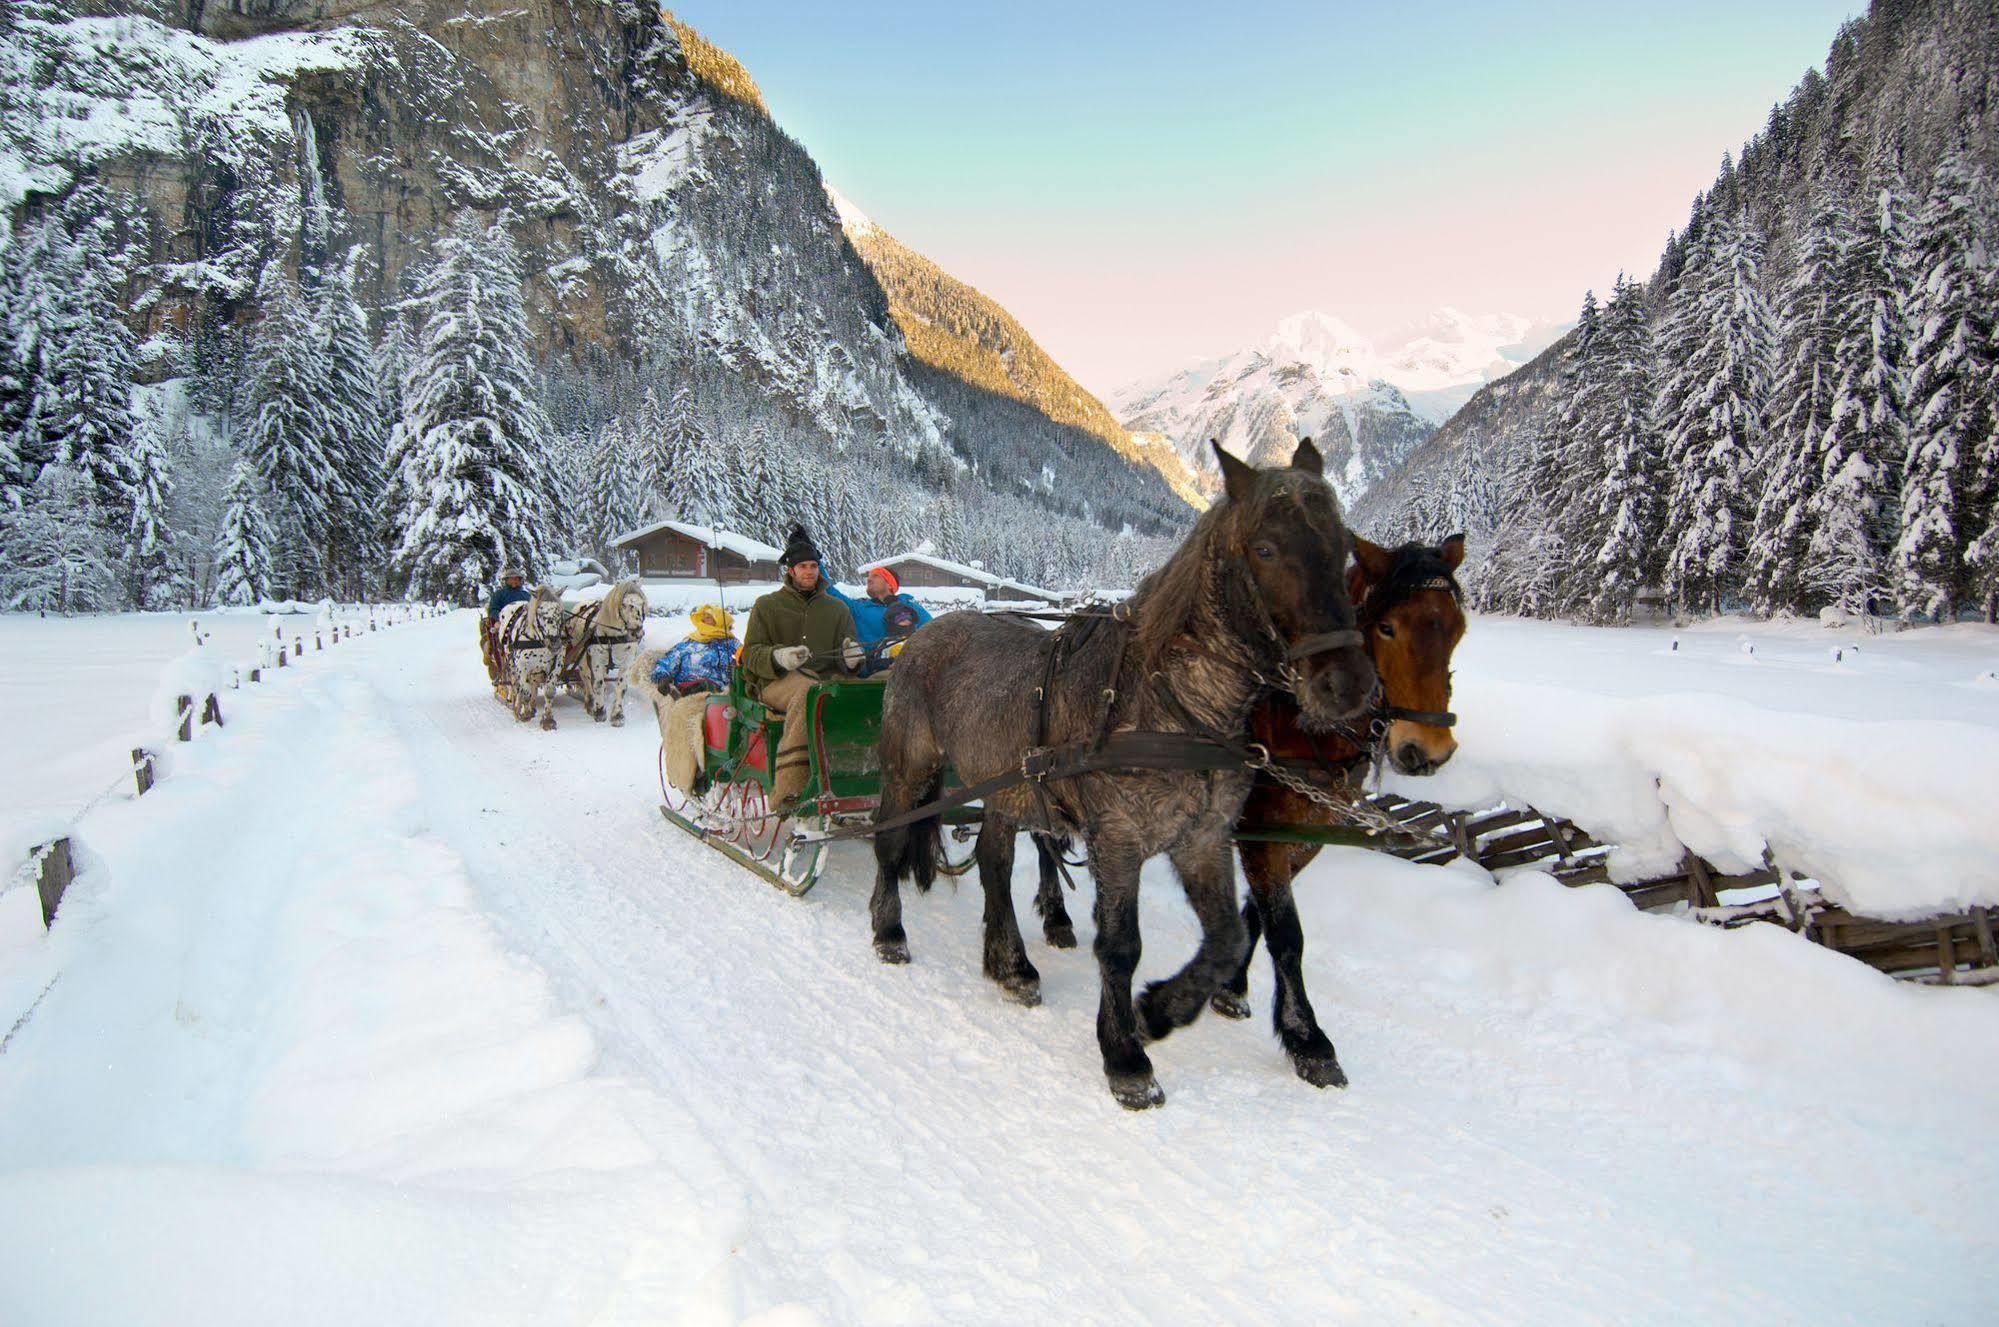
pixel 1373 560
pixel 1235 474
pixel 1453 551
pixel 1307 458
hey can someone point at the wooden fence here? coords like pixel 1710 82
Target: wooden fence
pixel 1952 949
pixel 51 865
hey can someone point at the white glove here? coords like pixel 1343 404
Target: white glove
pixel 788 657
pixel 851 653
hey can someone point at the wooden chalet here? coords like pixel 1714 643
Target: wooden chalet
pixel 680 553
pixel 921 571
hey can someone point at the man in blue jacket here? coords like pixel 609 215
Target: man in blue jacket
pixel 884 618
pixel 511 593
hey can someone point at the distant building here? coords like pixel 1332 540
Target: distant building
pixel 676 553
pixel 925 575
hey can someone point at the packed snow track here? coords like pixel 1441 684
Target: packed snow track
pixel 384 1007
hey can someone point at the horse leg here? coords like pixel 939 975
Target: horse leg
pixel 1297 1026
pixel 1114 867
pixel 617 686
pixel 1207 873
pixel 1056 927
pixel 1006 960
pixel 1232 1000
pixel 545 695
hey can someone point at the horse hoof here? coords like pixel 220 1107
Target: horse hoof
pixel 1320 1071
pixel 548 725
pixel 618 721
pixel 1137 1091
pixel 892 951
pixel 1023 991
pixel 1230 1005
pixel 597 718
pixel 1061 937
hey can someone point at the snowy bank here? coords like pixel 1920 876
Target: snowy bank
pixel 1892 816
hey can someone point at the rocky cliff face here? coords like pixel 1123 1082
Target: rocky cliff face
pixel 668 227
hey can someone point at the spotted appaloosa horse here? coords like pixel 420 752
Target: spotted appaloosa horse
pixel 527 642
pixel 598 641
pixel 1253 593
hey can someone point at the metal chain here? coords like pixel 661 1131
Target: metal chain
pixel 1358 810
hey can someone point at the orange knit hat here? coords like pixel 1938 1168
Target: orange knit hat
pixel 894 585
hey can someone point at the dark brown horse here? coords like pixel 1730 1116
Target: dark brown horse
pixel 1410 615
pixel 1254 594
pixel 1412 619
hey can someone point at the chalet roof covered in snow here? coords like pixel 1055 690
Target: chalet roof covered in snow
pixel 964 571
pixel 752 550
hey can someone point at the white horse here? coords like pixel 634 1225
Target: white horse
pixel 598 641
pixel 527 641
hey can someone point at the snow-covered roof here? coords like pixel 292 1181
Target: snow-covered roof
pixel 753 550
pixel 964 571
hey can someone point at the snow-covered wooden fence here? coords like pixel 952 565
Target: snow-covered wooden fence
pixel 51 863
pixel 1951 949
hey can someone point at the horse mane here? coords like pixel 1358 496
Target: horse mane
pixel 1168 600
pixel 614 602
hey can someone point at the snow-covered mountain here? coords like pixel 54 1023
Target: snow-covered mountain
pixel 670 236
pixel 1368 402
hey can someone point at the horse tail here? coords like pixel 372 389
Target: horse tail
pixel 909 852
pixel 925 839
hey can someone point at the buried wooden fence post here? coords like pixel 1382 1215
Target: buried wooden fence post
pixel 211 710
pixel 298 648
pixel 142 769
pixel 317 643
pixel 56 867
pixel 184 706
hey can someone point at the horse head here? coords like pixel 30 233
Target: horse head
pixel 629 613
pixel 1412 618
pixel 1284 538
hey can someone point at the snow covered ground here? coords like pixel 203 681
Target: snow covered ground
pixel 383 1007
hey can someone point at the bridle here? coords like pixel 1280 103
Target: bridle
pixel 1378 604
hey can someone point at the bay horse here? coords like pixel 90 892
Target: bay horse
pixel 1255 593
pixel 1411 616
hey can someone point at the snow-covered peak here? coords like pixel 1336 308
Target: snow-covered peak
pixel 1320 341
pixel 852 220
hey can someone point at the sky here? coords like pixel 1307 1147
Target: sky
pixel 1145 186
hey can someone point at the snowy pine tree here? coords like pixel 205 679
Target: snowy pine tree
pixel 1866 438
pixel 244 543
pixel 1951 381
pixel 152 574
pixel 293 436
pixel 475 489
pixel 1568 467
pixel 52 547
pixel 1712 411
pixel 1624 523
pixel 1801 401
pixel 357 439
pixel 80 409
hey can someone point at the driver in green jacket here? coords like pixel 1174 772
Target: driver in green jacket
pixel 797 634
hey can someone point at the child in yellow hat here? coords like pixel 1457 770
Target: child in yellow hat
pixel 700 662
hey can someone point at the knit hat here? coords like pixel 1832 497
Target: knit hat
pixel 711 622
pixel 799 548
pixel 894 585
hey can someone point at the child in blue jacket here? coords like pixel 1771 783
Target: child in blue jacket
pixel 702 661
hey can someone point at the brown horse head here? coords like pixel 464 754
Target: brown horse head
pixel 1410 613
pixel 1284 534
